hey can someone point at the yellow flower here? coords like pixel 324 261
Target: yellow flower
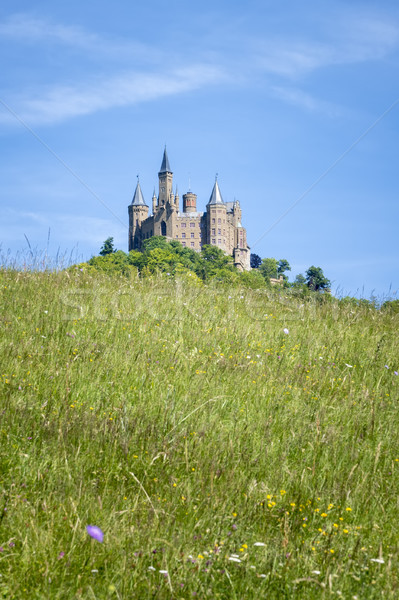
pixel 323 514
pixel 348 508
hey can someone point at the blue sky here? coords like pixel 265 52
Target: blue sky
pixel 291 103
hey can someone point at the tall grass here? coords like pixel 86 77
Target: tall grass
pixel 221 456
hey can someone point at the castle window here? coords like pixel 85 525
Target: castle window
pixel 219 220
pixel 219 241
pixel 219 232
pixel 183 244
pixel 192 224
pixel 213 231
pixel 213 241
pixel 183 224
pixel 183 235
pixel 213 221
pixel 192 244
pixel 192 234
pixel 177 237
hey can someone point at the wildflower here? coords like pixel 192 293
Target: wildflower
pixel 61 555
pixel 234 559
pixel 286 331
pixel 348 508
pixel 95 532
pixel 395 373
pixel 386 366
pixel 381 561
pixel 350 366
pixel 316 572
pixel 323 514
pixel 11 544
pixel 259 544
pixel 151 568
pixel 163 572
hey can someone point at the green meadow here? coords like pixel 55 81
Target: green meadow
pixel 229 442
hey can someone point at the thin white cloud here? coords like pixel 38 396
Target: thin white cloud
pixel 62 102
pixel 348 42
pixel 302 99
pixel 23 27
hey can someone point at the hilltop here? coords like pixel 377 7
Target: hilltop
pixel 229 442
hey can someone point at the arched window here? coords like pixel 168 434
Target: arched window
pixel 163 228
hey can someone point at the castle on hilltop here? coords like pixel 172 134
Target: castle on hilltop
pixel 219 226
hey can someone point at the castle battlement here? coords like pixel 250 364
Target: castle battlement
pixel 220 225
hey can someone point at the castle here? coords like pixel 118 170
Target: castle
pixel 219 226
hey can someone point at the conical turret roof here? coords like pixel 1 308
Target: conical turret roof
pixel 165 166
pixel 216 196
pixel 138 199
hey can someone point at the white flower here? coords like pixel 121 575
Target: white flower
pixel 262 575
pixel 163 572
pixel 286 331
pixel 350 366
pixel 316 572
pixel 234 559
pixel 378 560
pixel 259 544
pixel 151 568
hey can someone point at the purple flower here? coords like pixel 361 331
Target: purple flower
pixel 1 549
pixel 95 532
pixel 395 373
pixel 61 555
pixel 11 544
pixel 386 366
pixel 286 331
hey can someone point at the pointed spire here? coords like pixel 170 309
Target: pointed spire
pixel 138 199
pixel 216 196
pixel 165 166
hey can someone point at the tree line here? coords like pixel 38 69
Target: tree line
pixel 171 258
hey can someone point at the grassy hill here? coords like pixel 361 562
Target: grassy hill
pixel 229 442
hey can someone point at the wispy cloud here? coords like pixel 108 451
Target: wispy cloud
pixel 26 28
pixel 348 42
pixel 298 97
pixel 63 102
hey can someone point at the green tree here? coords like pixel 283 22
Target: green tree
pixel 269 267
pixel 108 247
pixel 255 261
pixel 315 279
pixel 299 280
pixel 157 241
pixel 283 265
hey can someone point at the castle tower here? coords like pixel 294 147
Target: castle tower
pixel 154 203
pixel 165 177
pixel 189 202
pixel 138 212
pixel 216 219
